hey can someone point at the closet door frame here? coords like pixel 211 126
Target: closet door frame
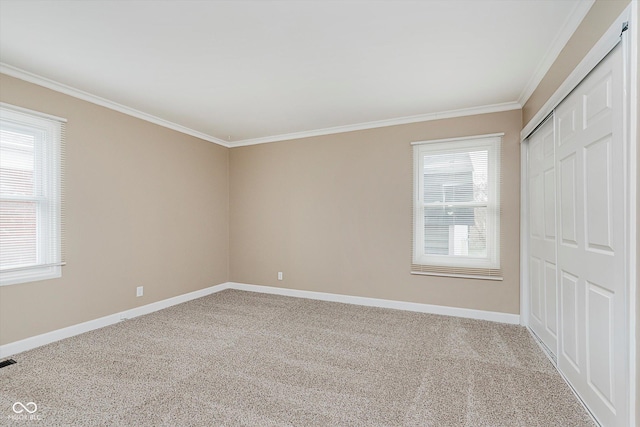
pixel 630 60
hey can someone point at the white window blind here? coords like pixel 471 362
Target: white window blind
pixel 31 210
pixel 456 221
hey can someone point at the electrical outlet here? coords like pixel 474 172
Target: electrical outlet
pixel 139 291
pixel 279 275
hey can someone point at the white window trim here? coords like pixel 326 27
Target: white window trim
pixel 492 144
pixel 49 236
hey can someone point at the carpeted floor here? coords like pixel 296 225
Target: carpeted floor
pixel 239 358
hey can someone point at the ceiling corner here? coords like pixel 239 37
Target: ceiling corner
pixel 568 28
pixel 27 76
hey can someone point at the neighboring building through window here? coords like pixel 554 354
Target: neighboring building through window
pixel 457 207
pixel 31 147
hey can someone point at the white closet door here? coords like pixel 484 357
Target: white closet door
pixel 542 237
pixel 590 248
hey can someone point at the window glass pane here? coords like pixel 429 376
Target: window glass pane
pixel 16 163
pixel 478 234
pixel 448 178
pixel 18 244
pixel 455 177
pixel 456 231
pixel 436 239
pixel 480 164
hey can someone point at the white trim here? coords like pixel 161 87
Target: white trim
pixel 607 42
pixel 4 105
pixel 468 313
pixel 485 109
pixel 524 234
pixel 463 276
pixel 492 144
pixel 70 331
pixel 85 96
pixel 461 138
pixel 632 195
pixel 569 26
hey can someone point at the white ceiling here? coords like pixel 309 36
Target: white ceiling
pixel 252 70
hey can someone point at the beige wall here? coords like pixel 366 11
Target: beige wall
pixel 334 214
pixel 593 26
pixel 146 206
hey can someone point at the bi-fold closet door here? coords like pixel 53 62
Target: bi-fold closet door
pixel 576 249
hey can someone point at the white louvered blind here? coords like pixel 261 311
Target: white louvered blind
pixel 457 207
pixel 31 213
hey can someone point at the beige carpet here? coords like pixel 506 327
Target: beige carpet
pixel 239 358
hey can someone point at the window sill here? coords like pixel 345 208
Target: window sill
pixel 459 276
pixel 30 275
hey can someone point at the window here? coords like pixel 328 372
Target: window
pixel 457 207
pixel 31 146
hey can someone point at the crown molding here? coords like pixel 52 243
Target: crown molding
pixel 484 109
pixel 85 96
pixel 570 25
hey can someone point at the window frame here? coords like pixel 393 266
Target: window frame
pixel 454 265
pixel 48 132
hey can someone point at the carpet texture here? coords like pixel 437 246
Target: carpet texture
pixel 247 359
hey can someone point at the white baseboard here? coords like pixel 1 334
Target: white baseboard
pixel 57 335
pixel 469 313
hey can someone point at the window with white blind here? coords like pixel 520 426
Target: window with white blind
pixel 31 147
pixel 456 219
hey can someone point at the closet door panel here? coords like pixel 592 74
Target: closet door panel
pixel 590 249
pixel 543 295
